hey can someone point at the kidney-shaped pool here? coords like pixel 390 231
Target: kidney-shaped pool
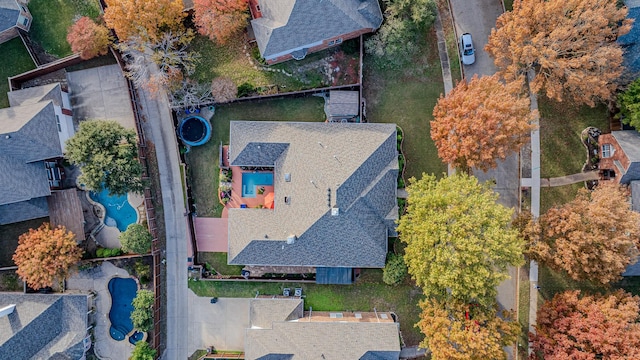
pixel 122 291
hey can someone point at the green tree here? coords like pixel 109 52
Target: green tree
pixel 459 240
pixel 629 103
pixel 405 21
pixel 142 314
pixel 395 270
pixel 143 351
pixel 136 239
pixel 106 153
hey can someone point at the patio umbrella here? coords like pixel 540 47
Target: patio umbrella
pixel 268 200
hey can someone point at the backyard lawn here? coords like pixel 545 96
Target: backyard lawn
pixel 9 235
pixel 231 60
pixel 203 160
pixel 407 97
pixel 218 260
pixel 52 18
pixel 16 61
pixel 367 293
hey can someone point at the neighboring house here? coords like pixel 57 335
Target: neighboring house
pixel 634 269
pixel 281 330
pixel 44 326
pixel 620 156
pixel 14 16
pixel 331 192
pixel 291 29
pixel 61 106
pixel 342 106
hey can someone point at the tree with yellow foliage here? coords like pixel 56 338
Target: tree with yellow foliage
pixel 136 17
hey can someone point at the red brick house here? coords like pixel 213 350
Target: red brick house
pixel 14 16
pixel 291 29
pixel 620 156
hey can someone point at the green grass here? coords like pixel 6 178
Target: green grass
pixel 508 4
pixel 523 310
pixel 203 160
pixel 219 262
pixel 52 18
pixel 9 235
pixel 367 293
pixel 552 282
pixel 230 60
pixel 556 196
pixel 407 97
pixel 562 152
pixel 16 61
pixel 197 354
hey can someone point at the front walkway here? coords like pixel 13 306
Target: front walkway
pixel 97 280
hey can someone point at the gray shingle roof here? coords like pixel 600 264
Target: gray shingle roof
pixel 36 94
pixel 263 312
pixel 259 154
pixel 355 163
pixel 329 340
pixel 343 103
pixel 28 135
pixel 288 25
pixel 24 210
pixel 9 12
pixel 629 141
pixel 43 326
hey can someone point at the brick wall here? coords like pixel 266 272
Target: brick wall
pixel 618 154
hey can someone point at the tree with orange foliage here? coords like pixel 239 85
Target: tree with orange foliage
pixel 45 254
pixel 88 38
pixel 571 45
pixel 590 327
pixel 135 17
pixel 455 331
pixel 220 19
pixel 594 237
pixel 479 122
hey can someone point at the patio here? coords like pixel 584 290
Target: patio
pixel 264 194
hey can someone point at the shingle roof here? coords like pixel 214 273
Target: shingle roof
pixel 349 166
pixel 287 25
pixel 9 12
pixel 259 154
pixel 329 340
pixel 28 135
pixel 36 94
pixel 629 141
pixel 343 103
pixel 263 312
pixel 24 210
pixel 43 326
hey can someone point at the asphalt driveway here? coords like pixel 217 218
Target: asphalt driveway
pixel 477 17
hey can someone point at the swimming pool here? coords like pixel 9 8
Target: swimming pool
pixel 135 337
pixel 251 180
pixel 120 213
pixel 122 291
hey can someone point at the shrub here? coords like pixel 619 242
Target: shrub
pixel 246 89
pixel 142 314
pixel 143 271
pixel 143 351
pixel 100 252
pixel 136 239
pixel 395 270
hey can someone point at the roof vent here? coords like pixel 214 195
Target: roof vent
pixel 291 239
pixel 335 211
pixel 8 137
pixel 287 177
pixel 287 200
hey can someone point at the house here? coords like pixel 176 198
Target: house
pixel 291 29
pixel 280 329
pixel 44 326
pixel 342 106
pixel 620 156
pixel 14 16
pixel 331 193
pixel 61 106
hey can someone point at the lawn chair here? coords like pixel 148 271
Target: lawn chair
pixel 286 292
pixel 298 292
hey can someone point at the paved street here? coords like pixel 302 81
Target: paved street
pixel 160 130
pixel 478 17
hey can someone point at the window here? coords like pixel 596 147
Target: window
pixel 25 22
pixel 339 41
pixel 607 150
pixel 58 123
pixel 332 42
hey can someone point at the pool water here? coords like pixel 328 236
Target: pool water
pixel 135 337
pixel 122 291
pixel 251 180
pixel 120 213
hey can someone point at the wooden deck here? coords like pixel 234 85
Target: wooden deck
pixel 65 209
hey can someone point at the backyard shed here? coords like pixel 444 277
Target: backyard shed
pixel 342 106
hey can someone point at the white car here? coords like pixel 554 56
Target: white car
pixel 467 51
